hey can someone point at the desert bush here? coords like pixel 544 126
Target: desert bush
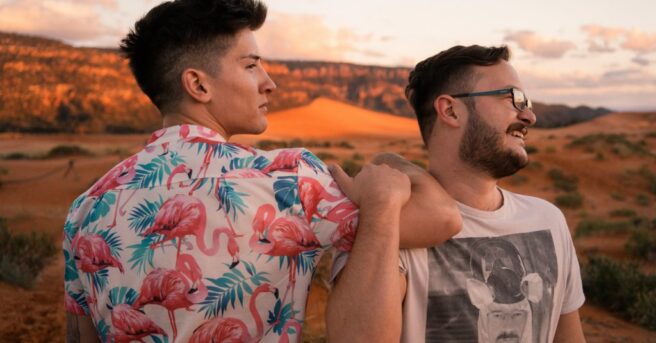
pixel 66 151
pixel 517 179
pixel 599 156
pixel 570 200
pixel 535 165
pixel 17 155
pixel 530 149
pixel 650 177
pixel 269 144
pixel 295 143
pixel 22 256
pixel 622 212
pixel 345 145
pixel 324 155
pixel 642 243
pixel 617 196
pixel 562 181
pixel 621 288
pixel 643 200
pixel 550 149
pixel 419 163
pixel 351 167
pixel 357 157
pixel 618 143
pixel 594 226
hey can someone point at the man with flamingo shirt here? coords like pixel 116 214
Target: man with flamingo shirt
pixel 198 239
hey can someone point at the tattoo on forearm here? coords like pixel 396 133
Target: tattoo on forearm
pixel 72 329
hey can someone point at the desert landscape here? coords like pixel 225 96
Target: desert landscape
pixel 600 171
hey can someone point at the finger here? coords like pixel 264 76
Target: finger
pixel 342 179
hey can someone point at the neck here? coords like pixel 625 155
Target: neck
pixel 191 117
pixel 466 185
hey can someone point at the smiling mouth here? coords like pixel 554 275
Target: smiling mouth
pixel 518 131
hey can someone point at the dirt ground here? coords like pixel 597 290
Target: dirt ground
pixel 37 315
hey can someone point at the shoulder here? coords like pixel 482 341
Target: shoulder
pixel 534 205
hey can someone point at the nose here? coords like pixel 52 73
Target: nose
pixel 267 86
pixel 528 117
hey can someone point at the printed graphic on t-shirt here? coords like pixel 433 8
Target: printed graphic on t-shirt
pixel 497 289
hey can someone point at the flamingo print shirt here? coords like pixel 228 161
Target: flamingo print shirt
pixel 194 239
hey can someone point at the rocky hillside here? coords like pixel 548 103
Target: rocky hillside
pixel 48 86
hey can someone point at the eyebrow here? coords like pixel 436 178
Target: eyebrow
pixel 251 56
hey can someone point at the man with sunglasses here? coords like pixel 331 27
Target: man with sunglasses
pixel 511 274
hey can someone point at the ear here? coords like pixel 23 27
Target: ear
pixel 479 294
pixel 194 83
pixel 444 106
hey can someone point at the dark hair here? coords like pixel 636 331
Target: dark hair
pixel 180 34
pixel 450 71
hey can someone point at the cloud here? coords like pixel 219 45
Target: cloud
pixel 606 39
pixel 307 37
pixel 69 20
pixel 539 46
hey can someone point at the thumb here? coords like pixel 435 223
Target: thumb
pixel 344 182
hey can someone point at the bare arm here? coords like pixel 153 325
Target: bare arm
pixel 431 216
pixel 365 305
pixel 80 329
pixel 569 329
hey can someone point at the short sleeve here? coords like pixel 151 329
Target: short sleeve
pixel 574 297
pixel 332 216
pixel 75 301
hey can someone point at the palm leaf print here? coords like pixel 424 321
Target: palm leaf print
pixel 313 161
pixel 280 317
pixel 230 199
pixel 151 174
pixel 100 208
pixel 122 295
pixel 112 239
pixel 70 229
pixel 142 256
pixel 225 150
pixel 175 158
pixel 286 192
pixel 80 299
pixel 254 162
pixel 103 330
pixel 156 339
pixel 230 288
pixel 99 279
pixel 143 215
pixel 70 272
pixel 304 261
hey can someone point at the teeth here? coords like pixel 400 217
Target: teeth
pixel 517 134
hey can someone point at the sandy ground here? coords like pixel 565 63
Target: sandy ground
pixel 37 315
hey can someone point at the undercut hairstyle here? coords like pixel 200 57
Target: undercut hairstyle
pixel 449 72
pixel 181 34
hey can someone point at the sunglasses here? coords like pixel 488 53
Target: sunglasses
pixel 520 101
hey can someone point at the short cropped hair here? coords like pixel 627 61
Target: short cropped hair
pixel 181 34
pixel 449 72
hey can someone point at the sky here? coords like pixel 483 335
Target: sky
pixel 574 52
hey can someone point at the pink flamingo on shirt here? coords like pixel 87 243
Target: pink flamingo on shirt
pixel 285 236
pixel 286 160
pixel 222 329
pixel 92 254
pixel 173 288
pixel 181 168
pixel 183 215
pixel 311 193
pixel 130 324
pixel 120 175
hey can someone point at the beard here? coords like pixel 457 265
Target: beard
pixel 482 148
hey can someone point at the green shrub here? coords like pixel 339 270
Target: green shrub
pixel 351 167
pixel 650 177
pixel 517 179
pixel 617 196
pixel 345 145
pixel 570 200
pixel 593 226
pixel 295 143
pixel 530 149
pixel 550 149
pixel 642 243
pixel 323 155
pixel 621 288
pixel 22 256
pixel 622 212
pixel 268 144
pixel 643 200
pixel 16 156
pixel 357 157
pixel 618 144
pixel 420 163
pixel 535 165
pixel 599 156
pixel 567 183
pixel 66 151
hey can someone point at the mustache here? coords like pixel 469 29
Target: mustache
pixel 518 127
pixel 507 335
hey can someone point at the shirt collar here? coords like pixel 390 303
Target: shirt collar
pixel 185 132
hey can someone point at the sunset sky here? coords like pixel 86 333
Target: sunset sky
pixel 597 53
